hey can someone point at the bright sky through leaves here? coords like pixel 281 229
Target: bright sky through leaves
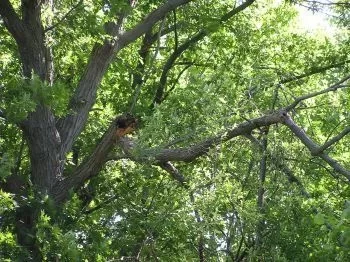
pixel 314 21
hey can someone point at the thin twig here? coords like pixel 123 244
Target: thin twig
pixel 64 17
pixel 334 87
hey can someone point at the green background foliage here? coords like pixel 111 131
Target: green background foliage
pixel 242 69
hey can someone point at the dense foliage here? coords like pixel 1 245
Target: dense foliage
pixel 241 150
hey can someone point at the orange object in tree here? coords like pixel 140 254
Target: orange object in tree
pixel 125 124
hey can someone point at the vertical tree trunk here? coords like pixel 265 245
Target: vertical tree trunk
pixel 261 190
pixel 200 237
pixel 39 128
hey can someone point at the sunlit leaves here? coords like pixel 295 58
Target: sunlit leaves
pixel 22 96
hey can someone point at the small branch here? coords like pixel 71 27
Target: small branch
pixel 64 17
pixel 155 16
pixel 334 140
pixel 175 31
pixel 116 157
pixel 174 172
pixel 334 87
pixel 101 205
pixel 159 96
pixel 289 173
pixel 158 99
pixel 176 81
pixel 280 165
pixel 142 66
pixel 315 148
pixel 313 71
pixel 261 189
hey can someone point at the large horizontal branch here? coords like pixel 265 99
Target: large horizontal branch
pixel 159 97
pixel 94 163
pixel 189 154
pixel 161 156
pixel 84 98
pixel 314 148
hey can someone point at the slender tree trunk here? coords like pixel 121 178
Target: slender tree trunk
pixel 200 237
pixel 261 190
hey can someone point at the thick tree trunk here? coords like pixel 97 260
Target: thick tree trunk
pixel 39 128
pixel 44 144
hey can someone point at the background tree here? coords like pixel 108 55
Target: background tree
pixel 242 150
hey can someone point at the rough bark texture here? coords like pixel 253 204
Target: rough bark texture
pixel 47 141
pixel 50 139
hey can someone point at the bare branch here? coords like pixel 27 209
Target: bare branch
pixel 101 205
pixel 315 148
pixel 313 71
pixel 177 79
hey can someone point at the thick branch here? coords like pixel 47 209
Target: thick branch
pixel 85 95
pixel 315 148
pixel 191 153
pixel 94 163
pixel 11 20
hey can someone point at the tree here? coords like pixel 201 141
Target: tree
pixel 202 77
